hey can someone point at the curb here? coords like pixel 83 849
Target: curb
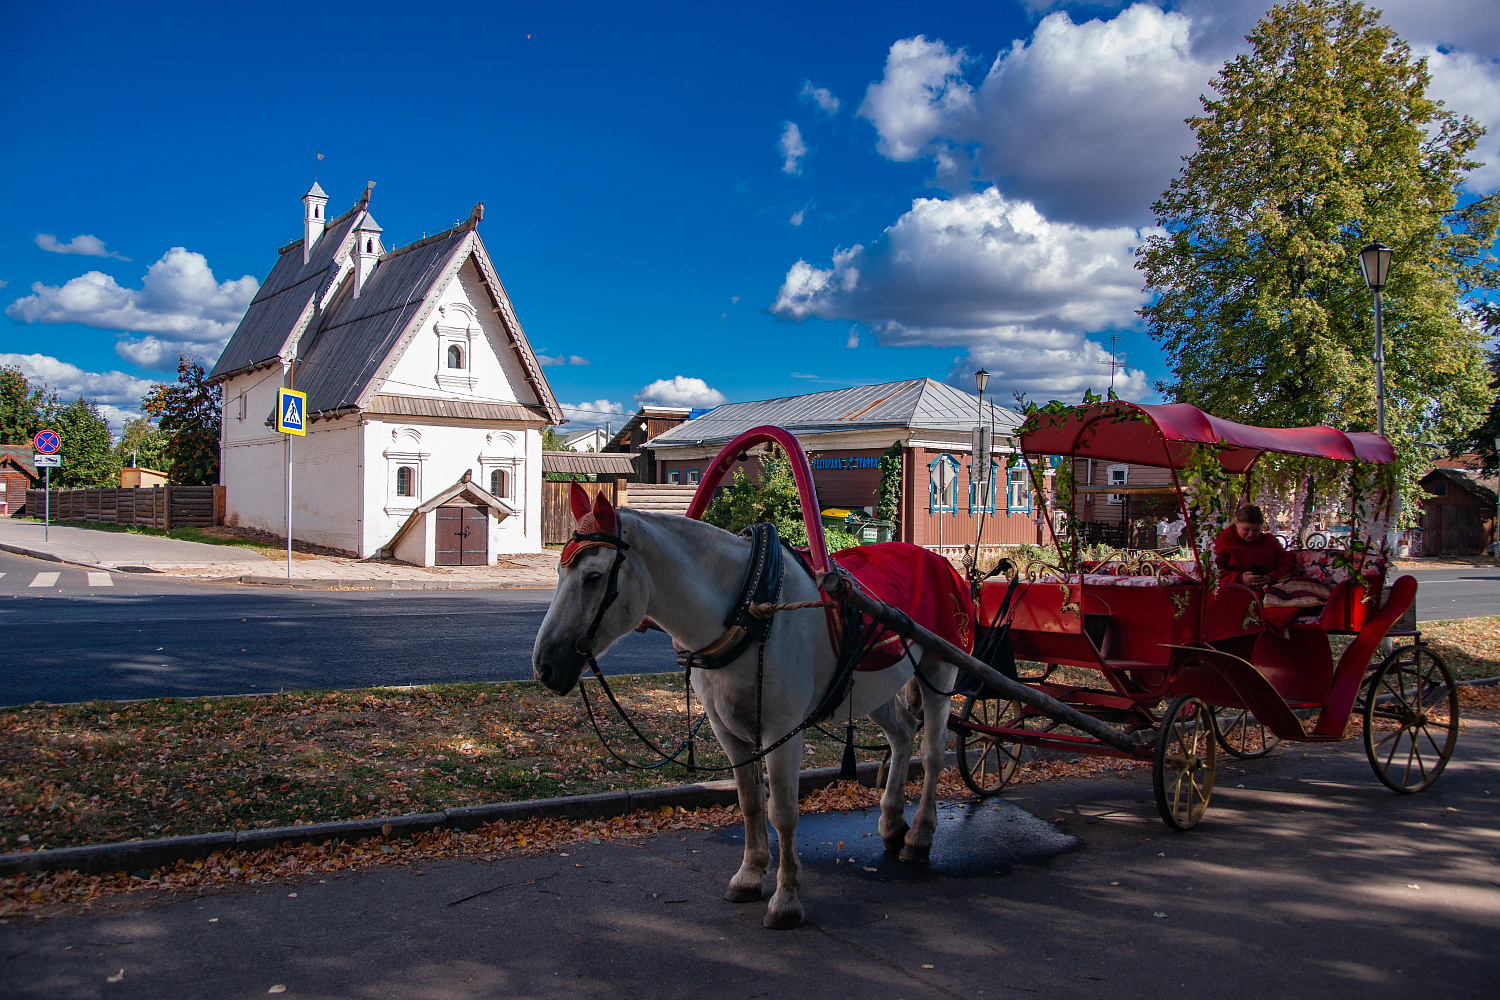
pixel 137 854
pixel 259 580
pixel 21 550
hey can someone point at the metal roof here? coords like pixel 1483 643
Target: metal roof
pixel 288 290
pixel 916 404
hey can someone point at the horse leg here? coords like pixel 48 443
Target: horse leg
pixel 899 727
pixel 785 909
pixel 747 884
pixel 935 710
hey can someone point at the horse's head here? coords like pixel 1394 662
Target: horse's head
pixel 600 596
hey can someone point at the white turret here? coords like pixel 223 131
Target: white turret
pixel 366 250
pixel 314 218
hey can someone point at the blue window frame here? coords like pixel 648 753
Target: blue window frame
pixel 1018 489
pixel 982 493
pixel 942 484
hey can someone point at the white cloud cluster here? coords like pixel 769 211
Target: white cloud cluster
pixel 178 297
pixel 792 148
pixel 1470 85
pixel 1084 120
pixel 679 391
pixel 117 393
pixel 825 99
pixel 87 246
pixel 556 361
pixel 986 273
pixel 594 413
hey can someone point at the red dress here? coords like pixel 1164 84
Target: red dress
pixel 1233 556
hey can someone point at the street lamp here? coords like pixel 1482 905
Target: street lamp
pixel 1375 261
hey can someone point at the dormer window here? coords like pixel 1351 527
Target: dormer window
pixel 317 212
pixel 369 246
pixel 455 356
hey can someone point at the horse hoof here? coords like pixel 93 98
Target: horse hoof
pixel 896 839
pixel 914 854
pixel 784 920
pixel 743 893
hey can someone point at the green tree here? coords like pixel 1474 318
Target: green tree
pixel 21 406
pixel 888 503
pixel 142 444
pixel 1320 140
pixel 1481 438
pixel 770 496
pixel 87 458
pixel 552 441
pixel 188 414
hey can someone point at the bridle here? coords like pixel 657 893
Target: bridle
pixel 585 645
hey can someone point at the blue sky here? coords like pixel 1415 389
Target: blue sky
pixel 704 203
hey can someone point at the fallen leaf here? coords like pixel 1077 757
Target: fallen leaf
pixel 1412 885
pixel 1158 913
pixel 1114 883
pixel 116 977
pixel 869 869
pixel 278 988
pixel 926 965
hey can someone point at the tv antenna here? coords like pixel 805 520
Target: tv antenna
pixel 1114 363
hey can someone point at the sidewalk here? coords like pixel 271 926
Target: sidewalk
pixel 118 550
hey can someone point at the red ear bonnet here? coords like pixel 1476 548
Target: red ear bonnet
pixel 599 520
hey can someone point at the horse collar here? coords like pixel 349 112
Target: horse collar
pixel 760 585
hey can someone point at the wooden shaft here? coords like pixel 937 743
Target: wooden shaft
pixel 836 585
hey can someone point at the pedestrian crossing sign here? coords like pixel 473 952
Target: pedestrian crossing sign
pixel 291 411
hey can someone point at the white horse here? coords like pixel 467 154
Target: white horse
pixel 683 574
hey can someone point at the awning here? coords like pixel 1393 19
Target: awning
pixel 1165 435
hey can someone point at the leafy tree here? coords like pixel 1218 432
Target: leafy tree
pixel 21 406
pixel 888 503
pixel 1481 439
pixel 1320 140
pixel 188 414
pixel 551 441
pixel 770 496
pixel 87 458
pixel 143 445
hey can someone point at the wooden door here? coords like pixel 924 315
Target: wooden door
pixel 475 541
pixel 448 547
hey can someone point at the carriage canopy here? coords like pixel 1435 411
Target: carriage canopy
pixel 1165 435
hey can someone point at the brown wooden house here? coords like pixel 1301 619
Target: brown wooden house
pixel 647 422
pixel 17 475
pixel 1458 513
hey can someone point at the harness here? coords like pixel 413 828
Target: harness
pixel 748 621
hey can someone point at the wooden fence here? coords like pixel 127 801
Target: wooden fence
pixel 152 506
pixel 557 509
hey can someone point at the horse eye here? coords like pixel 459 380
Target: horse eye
pixel 593 577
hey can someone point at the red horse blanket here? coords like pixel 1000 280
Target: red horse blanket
pixel 918 582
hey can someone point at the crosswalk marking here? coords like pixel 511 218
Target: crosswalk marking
pixel 100 580
pixel 44 579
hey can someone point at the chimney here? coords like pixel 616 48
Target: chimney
pixel 314 218
pixel 366 250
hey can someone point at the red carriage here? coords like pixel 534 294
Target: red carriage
pixel 1230 672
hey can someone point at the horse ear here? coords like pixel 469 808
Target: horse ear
pixel 580 500
pixel 604 513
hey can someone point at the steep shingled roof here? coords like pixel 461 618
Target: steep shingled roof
pixel 917 404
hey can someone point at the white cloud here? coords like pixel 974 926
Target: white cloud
pixel 680 391
pixel 560 359
pixel 179 296
pixel 1470 85
pixel 799 215
pixel 117 393
pixel 792 148
pixel 853 340
pixel 86 246
pixel 593 414
pixel 1084 120
pixel 824 98
pixel 987 274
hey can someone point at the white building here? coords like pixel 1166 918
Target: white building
pixel 425 400
pixel 593 440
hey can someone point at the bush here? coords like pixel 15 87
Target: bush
pixel 773 497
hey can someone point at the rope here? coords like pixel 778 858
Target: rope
pixel 764 611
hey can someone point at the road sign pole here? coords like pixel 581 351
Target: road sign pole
pixel 289 507
pixel 46 504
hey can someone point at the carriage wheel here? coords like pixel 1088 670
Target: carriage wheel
pixel 1187 755
pixel 1411 719
pixel 985 763
pixel 1241 734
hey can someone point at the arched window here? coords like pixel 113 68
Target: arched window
pixel 455 356
pixel 500 483
pixel 317 212
pixel 369 246
pixel 406 481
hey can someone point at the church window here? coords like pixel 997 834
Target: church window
pixel 405 481
pixel 317 212
pixel 455 356
pixel 500 483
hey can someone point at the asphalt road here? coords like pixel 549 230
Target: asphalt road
pixel 1306 879
pixel 74 635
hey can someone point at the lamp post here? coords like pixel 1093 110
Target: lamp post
pixel 982 443
pixel 1375 262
